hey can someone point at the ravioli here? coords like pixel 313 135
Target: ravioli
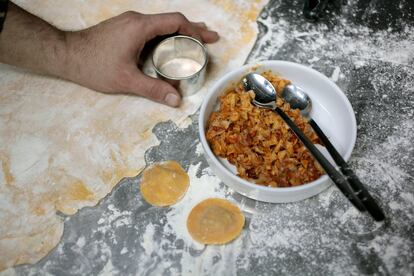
pixel 164 184
pixel 215 221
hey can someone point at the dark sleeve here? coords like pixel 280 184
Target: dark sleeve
pixel 3 12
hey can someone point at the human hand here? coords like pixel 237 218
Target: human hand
pixel 104 57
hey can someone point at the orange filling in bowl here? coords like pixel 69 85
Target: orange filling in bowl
pixel 258 142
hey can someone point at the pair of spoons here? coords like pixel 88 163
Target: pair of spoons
pixel 347 182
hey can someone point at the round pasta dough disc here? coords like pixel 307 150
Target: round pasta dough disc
pixel 215 221
pixel 164 184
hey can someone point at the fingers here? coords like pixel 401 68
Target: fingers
pixel 201 25
pixel 206 35
pixel 209 36
pixel 154 89
pixel 169 23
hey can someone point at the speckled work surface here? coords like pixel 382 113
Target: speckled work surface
pixel 367 48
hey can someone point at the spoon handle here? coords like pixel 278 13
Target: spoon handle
pixel 359 189
pixel 330 170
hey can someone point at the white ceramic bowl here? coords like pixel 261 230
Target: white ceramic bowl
pixel 331 110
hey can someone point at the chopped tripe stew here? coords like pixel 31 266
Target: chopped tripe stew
pixel 258 142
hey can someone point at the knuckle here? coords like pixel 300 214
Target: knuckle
pixel 129 14
pixel 202 25
pixel 180 16
pixel 130 17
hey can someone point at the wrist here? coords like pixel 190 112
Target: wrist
pixel 57 59
pixel 70 59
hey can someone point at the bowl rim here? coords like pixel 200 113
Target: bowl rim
pixel 255 66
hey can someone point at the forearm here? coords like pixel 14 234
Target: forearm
pixel 30 42
pixel 102 57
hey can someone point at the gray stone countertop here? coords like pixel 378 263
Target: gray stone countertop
pixel 367 48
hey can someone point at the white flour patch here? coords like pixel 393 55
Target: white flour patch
pixel 112 219
pixel 148 239
pixel 108 269
pixel 124 250
pixel 199 149
pixel 336 74
pixel 81 242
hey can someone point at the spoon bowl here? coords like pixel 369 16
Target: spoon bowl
pixel 297 98
pixel 265 93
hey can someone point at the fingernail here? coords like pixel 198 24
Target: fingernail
pixel 172 99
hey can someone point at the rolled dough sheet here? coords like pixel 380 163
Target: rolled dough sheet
pixel 63 147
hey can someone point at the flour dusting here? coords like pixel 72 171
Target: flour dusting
pixel 323 235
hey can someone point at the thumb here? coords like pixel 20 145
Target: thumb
pixel 155 89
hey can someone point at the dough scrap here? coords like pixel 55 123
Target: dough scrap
pixel 164 184
pixel 215 221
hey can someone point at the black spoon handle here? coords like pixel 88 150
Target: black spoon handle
pixel 359 189
pixel 336 177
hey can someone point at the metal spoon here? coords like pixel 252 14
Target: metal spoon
pixel 297 98
pixel 265 97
